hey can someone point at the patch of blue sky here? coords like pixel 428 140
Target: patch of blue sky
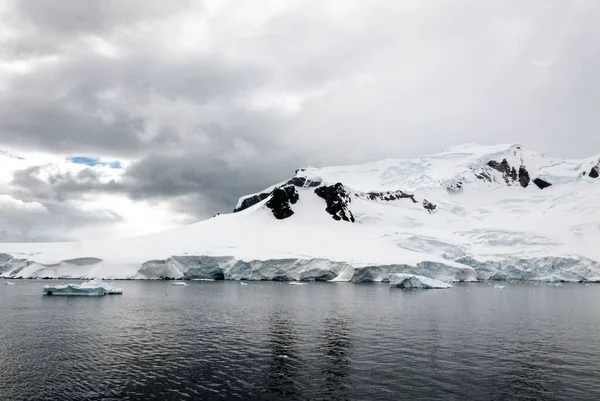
pixel 94 161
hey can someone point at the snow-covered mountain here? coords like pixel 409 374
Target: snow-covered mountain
pixel 471 212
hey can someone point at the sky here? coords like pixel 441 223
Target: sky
pixel 121 118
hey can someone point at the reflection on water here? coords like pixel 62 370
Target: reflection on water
pixel 283 365
pixel 315 342
pixel 336 349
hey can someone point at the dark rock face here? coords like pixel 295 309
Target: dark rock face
pixel 385 196
pixel 430 207
pixel 541 183
pixel 502 167
pixel 595 172
pixel 524 177
pixel 281 201
pixel 337 201
pixel 302 182
pixel 251 201
pixel 509 173
pixel 457 186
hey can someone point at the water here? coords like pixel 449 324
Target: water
pixel 222 340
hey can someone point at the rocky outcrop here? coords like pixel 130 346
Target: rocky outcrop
pixel 303 182
pixel 281 202
pixel 524 177
pixel 430 207
pixel 387 196
pixel 251 201
pixel 337 199
pixel 300 182
pixel 541 184
pixel 595 172
pixel 508 173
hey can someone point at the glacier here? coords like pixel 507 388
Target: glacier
pixel 470 213
pixel 416 282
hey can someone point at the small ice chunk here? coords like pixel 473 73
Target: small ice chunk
pixel 413 281
pixel 9 283
pixel 296 283
pixel 242 283
pixel 179 284
pixel 499 287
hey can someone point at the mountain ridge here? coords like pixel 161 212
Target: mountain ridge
pixel 469 213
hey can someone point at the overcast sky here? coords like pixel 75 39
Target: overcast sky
pixel 201 102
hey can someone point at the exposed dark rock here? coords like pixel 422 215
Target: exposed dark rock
pixel 502 167
pixel 281 201
pixel 541 183
pixel 457 186
pixel 484 176
pixel 524 177
pixel 595 172
pixel 430 207
pixel 303 182
pixel 385 196
pixel 508 173
pixel 337 201
pixel 251 201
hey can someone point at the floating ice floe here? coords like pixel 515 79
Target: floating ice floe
pixel 179 284
pixel 242 283
pixel 499 287
pixel 413 281
pixel 297 283
pixel 8 283
pixel 95 287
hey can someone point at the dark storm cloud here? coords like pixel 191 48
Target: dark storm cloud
pixel 57 187
pixel 218 99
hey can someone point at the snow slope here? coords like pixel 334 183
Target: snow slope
pixel 471 212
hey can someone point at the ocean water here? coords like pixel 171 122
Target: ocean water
pixel 321 341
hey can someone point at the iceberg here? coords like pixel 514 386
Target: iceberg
pixel 9 283
pixel 413 281
pixel 95 287
pixel 109 288
pixel 179 284
pixel 73 289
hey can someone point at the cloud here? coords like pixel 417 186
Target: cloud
pixel 206 101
